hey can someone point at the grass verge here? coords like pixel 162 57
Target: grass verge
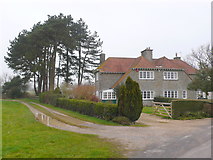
pixel 24 137
pixel 75 114
pixel 81 116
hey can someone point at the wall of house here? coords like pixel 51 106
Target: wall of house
pixel 106 80
pixel 159 85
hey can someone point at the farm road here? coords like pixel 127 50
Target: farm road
pixel 163 138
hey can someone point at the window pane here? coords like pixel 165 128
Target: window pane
pixel 152 94
pixel 144 74
pixel 109 95
pixel 148 94
pixel 144 94
pixel 148 75
pixel 172 75
pixel 140 74
pixel 152 75
pixel 105 95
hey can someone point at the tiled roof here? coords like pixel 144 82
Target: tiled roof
pixel 125 65
pixel 115 64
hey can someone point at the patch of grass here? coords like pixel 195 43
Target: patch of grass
pixel 24 137
pixel 67 120
pixel 75 114
pixel 148 110
pixel 139 125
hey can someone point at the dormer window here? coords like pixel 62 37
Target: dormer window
pixel 146 75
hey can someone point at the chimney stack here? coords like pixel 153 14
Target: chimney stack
pixel 176 57
pixel 147 53
pixel 102 58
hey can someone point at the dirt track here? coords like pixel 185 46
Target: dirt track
pixel 151 141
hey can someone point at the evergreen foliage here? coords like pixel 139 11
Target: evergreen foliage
pixel 130 100
pixel 58 47
pixel 15 88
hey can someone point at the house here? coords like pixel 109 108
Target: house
pixel 156 77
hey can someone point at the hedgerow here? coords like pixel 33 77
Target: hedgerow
pixel 96 109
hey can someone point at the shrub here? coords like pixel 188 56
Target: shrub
pixel 164 99
pixel 49 97
pixel 97 109
pixel 130 100
pixel 208 109
pixel 84 92
pixel 122 120
pixel 182 108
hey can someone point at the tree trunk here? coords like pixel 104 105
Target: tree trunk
pixel 52 69
pixel 79 67
pixel 34 84
pixel 67 67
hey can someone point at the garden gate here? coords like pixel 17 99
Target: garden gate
pixel 163 109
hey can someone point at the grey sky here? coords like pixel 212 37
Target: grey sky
pixel 125 26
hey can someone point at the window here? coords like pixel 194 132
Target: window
pixel 148 95
pixel 146 75
pixel 199 94
pixel 171 94
pixel 170 75
pixel 108 95
pixel 104 95
pixel 184 94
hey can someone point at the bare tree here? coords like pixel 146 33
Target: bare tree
pixel 201 58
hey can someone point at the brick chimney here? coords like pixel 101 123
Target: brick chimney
pixel 102 58
pixel 147 53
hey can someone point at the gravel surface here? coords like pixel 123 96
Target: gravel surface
pixel 163 138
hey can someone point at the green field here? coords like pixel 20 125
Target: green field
pixel 24 137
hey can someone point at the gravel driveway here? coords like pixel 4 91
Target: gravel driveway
pixel 163 138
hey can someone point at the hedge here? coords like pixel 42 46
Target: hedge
pixel 164 99
pixel 183 107
pixel 96 109
pixel 49 97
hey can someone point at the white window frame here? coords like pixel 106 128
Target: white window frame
pixel 144 75
pixel 168 75
pixel 108 95
pixel 184 94
pixel 170 94
pixel 146 92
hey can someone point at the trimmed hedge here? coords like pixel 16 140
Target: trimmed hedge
pixel 164 99
pixel 49 97
pixel 96 109
pixel 182 108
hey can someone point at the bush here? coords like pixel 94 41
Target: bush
pixel 84 92
pixel 182 108
pixel 122 120
pixel 208 109
pixel 130 100
pixel 49 97
pixel 164 99
pixel 97 109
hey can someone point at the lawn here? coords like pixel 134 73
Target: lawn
pixel 24 137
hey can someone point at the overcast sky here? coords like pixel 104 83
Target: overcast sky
pixel 125 26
